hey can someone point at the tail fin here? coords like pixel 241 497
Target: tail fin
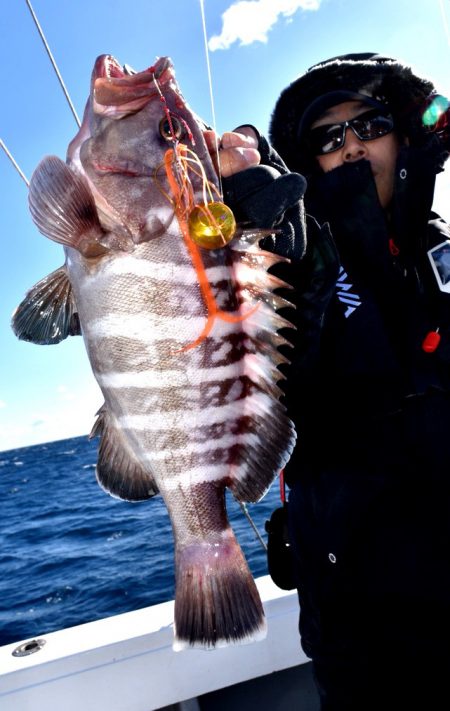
pixel 217 602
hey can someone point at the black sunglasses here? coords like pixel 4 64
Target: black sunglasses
pixel 367 126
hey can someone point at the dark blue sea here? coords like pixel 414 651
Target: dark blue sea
pixel 70 554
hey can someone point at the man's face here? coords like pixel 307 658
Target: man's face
pixel 380 152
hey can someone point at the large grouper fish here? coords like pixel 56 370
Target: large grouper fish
pixel 183 339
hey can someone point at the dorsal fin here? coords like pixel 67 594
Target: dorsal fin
pixel 267 434
pixel 48 313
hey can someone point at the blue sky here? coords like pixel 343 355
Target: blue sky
pixel 256 48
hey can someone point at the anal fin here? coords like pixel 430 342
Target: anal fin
pixel 118 471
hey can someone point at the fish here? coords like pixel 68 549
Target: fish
pixel 184 339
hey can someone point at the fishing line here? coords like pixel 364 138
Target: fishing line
pixel 15 164
pixel 211 96
pixel 253 525
pixel 444 20
pixel 66 93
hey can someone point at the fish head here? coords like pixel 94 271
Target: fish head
pixel 130 122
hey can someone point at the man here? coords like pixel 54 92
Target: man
pixel 369 384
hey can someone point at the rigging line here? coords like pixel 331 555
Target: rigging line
pixel 253 525
pixel 22 175
pixel 211 96
pixel 66 93
pixel 444 20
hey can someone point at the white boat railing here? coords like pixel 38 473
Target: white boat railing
pixel 126 662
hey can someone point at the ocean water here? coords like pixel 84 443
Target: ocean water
pixel 70 553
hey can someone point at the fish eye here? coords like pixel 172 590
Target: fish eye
pixel 172 129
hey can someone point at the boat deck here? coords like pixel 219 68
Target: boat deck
pixel 286 690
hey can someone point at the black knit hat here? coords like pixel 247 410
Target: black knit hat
pixel 364 75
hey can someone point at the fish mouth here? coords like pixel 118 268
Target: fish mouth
pixel 123 167
pixel 107 67
pixel 118 89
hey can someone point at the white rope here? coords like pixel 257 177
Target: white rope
pixel 66 93
pixel 211 95
pixel 16 166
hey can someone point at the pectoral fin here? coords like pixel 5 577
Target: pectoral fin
pixel 119 473
pixel 63 208
pixel 48 313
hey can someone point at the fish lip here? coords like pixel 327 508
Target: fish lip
pixel 132 170
pixel 115 92
pixel 107 67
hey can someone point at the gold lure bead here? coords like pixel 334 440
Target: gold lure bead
pixel 212 226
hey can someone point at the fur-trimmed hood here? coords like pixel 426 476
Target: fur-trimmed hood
pixel 382 78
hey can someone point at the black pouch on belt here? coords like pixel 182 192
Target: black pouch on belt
pixel 279 553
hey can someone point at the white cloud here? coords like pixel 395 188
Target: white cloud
pixel 251 20
pixel 65 393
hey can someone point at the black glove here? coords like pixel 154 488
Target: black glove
pixel 270 196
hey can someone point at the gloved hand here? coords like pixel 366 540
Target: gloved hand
pixel 268 195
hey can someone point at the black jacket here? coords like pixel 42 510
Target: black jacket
pixel 370 499
pixel 369 504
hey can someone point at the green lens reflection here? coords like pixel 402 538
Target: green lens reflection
pixel 432 114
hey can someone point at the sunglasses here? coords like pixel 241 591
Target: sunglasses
pixel 367 126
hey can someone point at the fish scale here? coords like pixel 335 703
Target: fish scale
pixel 183 341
